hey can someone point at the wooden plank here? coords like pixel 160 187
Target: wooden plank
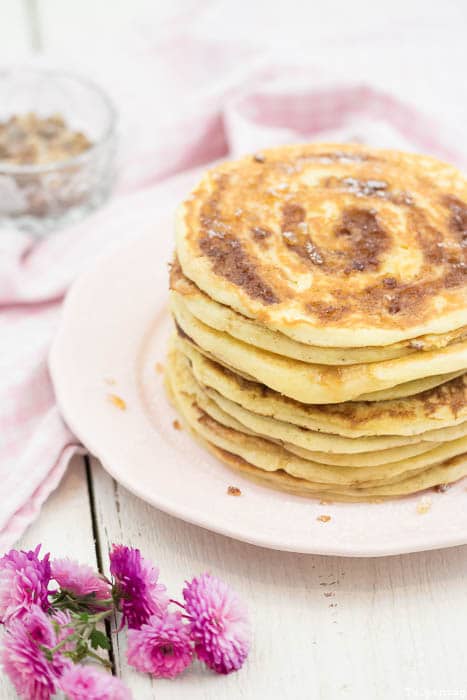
pixel 64 527
pixel 324 627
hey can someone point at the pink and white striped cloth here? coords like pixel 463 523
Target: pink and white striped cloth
pixel 225 103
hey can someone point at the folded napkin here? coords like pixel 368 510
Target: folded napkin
pixel 225 102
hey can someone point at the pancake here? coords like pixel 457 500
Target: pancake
pixel 359 459
pixel 330 243
pixel 234 416
pixel 311 383
pixel 444 474
pixel 363 459
pixel 320 300
pixel 405 389
pixel 399 391
pixel 222 318
pixel 339 483
pixel 287 432
pixel 417 386
pixel 441 407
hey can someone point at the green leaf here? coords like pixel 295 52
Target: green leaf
pixel 99 639
pixel 81 650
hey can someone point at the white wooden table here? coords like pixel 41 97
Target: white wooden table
pixel 323 627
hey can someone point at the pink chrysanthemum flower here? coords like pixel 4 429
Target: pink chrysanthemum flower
pixel 24 579
pixel 88 683
pixel 136 587
pixel 39 628
pixel 79 579
pixel 161 647
pixel 218 623
pixel 63 619
pixel 23 659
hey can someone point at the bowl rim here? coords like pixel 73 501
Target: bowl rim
pixel 109 132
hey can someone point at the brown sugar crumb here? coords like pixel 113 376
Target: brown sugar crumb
pixel 159 368
pixel 323 518
pixel 176 424
pixel 28 139
pixel 329 594
pixel 234 491
pixel 442 488
pixel 117 401
pixel 424 505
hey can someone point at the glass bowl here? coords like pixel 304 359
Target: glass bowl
pixel 44 196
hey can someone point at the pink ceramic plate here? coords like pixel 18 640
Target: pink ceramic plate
pixel 113 333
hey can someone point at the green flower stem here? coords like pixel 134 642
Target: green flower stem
pixel 95 656
pixel 49 651
pixel 82 631
pixel 64 600
pixel 93 619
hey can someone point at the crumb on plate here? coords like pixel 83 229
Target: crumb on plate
pixel 234 491
pixel 324 518
pixel 424 505
pixel 159 368
pixel 176 424
pixel 117 401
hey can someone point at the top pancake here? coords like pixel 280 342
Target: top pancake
pixel 333 245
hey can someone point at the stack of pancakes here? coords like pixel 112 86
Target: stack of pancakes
pixel 319 295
